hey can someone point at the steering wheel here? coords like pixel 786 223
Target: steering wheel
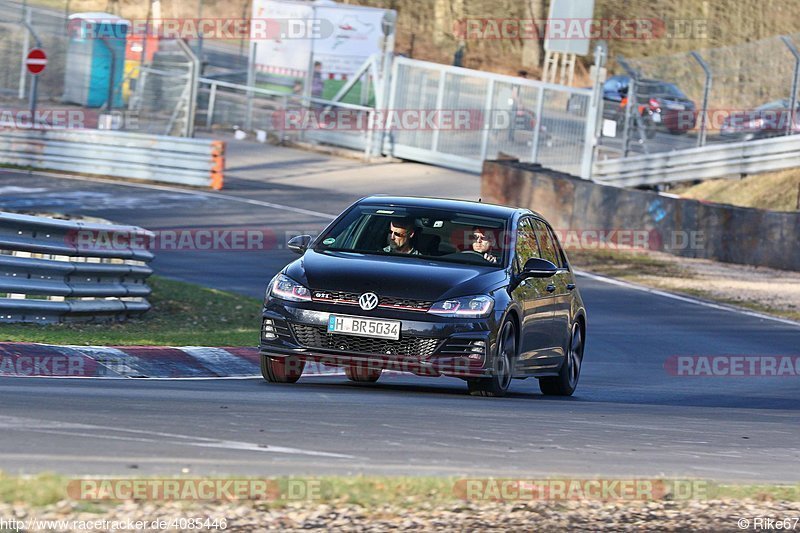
pixel 472 252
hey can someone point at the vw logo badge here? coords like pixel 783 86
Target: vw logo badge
pixel 368 301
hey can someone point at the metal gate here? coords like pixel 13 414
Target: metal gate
pixel 487 114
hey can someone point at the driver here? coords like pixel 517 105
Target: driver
pixel 401 232
pixel 484 243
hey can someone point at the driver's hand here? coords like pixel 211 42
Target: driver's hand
pixel 489 257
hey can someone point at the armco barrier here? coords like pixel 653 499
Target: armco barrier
pixel 713 161
pixel 58 270
pixel 725 233
pixel 197 162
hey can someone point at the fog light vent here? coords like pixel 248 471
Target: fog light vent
pixel 268 330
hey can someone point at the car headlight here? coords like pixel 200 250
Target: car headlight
pixel 466 307
pixel 286 288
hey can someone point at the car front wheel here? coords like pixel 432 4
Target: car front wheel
pixel 498 384
pixel 566 381
pixel 281 369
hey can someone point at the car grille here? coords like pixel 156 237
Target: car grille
pixel 318 337
pixel 387 302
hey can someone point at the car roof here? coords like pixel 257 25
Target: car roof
pixel 475 208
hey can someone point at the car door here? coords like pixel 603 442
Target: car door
pixel 536 340
pixel 560 287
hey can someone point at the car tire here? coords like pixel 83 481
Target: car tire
pixel 281 369
pixel 362 374
pixel 498 384
pixel 567 380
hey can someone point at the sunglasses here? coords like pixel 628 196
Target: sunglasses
pixel 397 234
pixel 479 238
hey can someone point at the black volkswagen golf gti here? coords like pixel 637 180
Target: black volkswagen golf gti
pixel 430 286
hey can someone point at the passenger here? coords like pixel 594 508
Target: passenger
pixel 401 232
pixel 484 243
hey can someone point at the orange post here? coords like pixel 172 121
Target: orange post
pixel 218 164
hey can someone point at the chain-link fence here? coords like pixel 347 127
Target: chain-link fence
pixel 165 93
pixel 726 94
pixel 15 40
pixel 85 75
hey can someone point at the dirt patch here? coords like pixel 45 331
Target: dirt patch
pixel 722 515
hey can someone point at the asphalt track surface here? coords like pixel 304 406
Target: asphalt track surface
pixel 629 417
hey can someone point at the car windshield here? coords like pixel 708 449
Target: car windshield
pixel 668 89
pixel 444 235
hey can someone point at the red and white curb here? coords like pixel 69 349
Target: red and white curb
pixel 22 359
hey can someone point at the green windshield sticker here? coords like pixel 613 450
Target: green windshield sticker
pixel 329 240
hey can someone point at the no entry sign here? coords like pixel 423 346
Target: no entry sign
pixel 35 61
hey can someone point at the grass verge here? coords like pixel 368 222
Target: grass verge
pixel 182 314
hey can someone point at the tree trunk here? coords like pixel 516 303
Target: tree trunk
pixel 533 49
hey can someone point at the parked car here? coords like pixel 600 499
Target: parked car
pixel 767 120
pixel 662 105
pixel 356 301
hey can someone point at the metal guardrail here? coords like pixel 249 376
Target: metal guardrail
pixel 59 270
pixel 711 161
pixel 196 162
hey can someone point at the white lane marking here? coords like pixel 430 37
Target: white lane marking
pixel 687 299
pixel 205 194
pixel 11 189
pixel 68 428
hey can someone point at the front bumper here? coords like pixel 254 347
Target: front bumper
pixel 428 345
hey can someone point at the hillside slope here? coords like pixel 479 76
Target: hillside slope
pixel 778 191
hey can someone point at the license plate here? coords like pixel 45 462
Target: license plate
pixel 364 327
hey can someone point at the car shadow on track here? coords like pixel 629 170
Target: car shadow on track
pixel 528 390
pixel 407 385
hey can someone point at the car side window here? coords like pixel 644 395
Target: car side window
pixel 562 257
pixel 548 248
pixel 527 246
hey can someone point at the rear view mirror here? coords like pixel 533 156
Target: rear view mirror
pixel 299 244
pixel 538 268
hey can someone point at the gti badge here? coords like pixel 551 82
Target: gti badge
pixel 368 301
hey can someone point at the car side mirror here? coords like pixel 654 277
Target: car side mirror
pixel 538 268
pixel 299 244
